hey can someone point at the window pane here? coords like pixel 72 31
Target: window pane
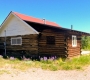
pixel 13 41
pixel 18 41
pixel 74 41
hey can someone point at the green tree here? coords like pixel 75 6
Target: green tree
pixel 86 42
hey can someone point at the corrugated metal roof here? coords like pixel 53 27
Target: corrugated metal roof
pixel 36 20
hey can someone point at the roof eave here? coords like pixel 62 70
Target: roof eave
pixel 80 32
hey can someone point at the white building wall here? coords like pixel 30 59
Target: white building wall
pixel 15 26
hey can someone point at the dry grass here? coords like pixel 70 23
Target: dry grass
pixel 75 63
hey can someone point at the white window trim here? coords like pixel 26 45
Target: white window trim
pixel 16 38
pixel 74 41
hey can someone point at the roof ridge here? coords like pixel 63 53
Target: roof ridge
pixel 34 19
pixel 25 15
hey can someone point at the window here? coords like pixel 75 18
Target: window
pixel 16 41
pixel 50 39
pixel 74 41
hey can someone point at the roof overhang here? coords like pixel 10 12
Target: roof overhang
pixel 71 30
pixel 76 31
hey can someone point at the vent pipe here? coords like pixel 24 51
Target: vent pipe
pixel 71 27
pixel 44 21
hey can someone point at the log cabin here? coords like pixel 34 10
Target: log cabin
pixel 33 36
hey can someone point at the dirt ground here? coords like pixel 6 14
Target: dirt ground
pixel 39 74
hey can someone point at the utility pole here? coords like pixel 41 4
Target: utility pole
pixel 5 43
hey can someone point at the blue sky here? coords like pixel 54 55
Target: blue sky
pixel 63 12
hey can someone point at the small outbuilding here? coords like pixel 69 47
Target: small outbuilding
pixel 33 36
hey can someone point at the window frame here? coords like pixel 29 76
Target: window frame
pixel 74 41
pixel 16 40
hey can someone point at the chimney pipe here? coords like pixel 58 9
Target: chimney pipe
pixel 44 21
pixel 71 27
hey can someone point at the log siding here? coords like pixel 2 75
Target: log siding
pixel 58 48
pixel 29 43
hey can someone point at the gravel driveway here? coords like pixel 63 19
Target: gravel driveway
pixel 39 74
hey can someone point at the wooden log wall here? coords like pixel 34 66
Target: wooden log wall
pixel 73 51
pixel 59 48
pixel 29 43
pixel 38 43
